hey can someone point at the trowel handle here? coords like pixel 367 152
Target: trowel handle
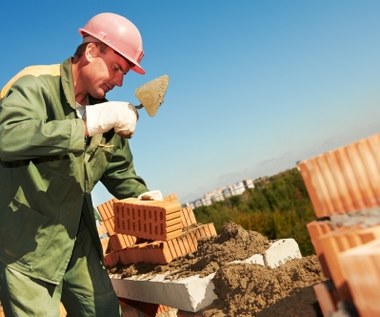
pixel 136 108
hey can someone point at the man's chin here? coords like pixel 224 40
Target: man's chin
pixel 99 94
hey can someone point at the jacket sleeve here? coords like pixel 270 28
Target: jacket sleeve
pixel 120 178
pixel 33 123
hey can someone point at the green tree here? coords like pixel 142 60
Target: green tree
pixel 278 207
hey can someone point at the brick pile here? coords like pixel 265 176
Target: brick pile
pixel 158 232
pixel 149 231
pixel 344 188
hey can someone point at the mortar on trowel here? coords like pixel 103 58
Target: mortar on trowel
pixel 151 94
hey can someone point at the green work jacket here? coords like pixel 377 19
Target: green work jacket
pixel 48 170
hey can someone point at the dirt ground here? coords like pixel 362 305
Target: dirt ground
pixel 246 289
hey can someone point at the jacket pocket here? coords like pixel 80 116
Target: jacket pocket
pixel 23 232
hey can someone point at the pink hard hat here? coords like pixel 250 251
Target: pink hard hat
pixel 118 33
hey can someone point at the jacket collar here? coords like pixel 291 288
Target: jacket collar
pixel 68 85
pixel 67 82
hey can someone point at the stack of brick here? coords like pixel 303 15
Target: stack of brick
pixel 344 188
pixel 149 231
pixel 134 230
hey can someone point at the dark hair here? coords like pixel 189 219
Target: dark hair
pixel 82 48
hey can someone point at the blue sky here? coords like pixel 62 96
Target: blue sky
pixel 255 86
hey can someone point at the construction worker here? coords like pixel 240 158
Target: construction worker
pixel 59 136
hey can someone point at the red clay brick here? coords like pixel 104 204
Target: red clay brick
pixel 171 197
pixel 344 180
pixel 332 244
pixel 151 220
pixel 338 241
pixel 159 252
pixel 361 267
pixel 204 231
pixel 121 241
pixel 317 229
pixel 326 298
pixel 106 209
pixel 110 225
pixel 111 259
pixel 162 252
pixel 188 218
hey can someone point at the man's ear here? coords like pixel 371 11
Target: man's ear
pixel 90 51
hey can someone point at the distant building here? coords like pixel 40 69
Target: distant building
pixel 235 189
pixel 249 183
pixel 218 196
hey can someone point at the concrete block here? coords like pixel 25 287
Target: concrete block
pixel 254 259
pixel 280 252
pixel 189 294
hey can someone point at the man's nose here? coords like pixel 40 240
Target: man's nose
pixel 118 79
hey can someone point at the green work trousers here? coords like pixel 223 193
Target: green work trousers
pixel 85 291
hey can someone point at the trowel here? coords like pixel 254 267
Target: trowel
pixel 151 94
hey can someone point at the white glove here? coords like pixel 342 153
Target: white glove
pixel 119 115
pixel 151 195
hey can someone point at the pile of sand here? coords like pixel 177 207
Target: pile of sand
pixel 245 289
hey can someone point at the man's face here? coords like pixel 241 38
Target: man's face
pixel 106 69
